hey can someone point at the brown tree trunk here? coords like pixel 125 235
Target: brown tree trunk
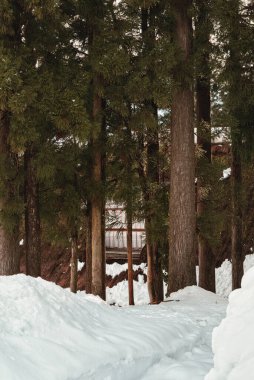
pixel 203 110
pixel 182 223
pixel 9 249
pixel 154 272
pixel 235 82
pixel 98 244
pixel 74 264
pixel 129 253
pixel 237 220
pixel 32 216
pixel 88 258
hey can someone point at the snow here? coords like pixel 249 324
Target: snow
pixel 118 294
pixel 80 265
pixel 48 333
pixel 115 269
pixel 226 174
pixel 233 339
pixel 224 275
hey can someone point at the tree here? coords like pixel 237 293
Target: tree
pixel 9 252
pixel 32 215
pixel 182 269
pixel 10 39
pixel 154 273
pixel 235 36
pixel 203 114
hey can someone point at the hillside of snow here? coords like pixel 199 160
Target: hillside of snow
pixel 48 333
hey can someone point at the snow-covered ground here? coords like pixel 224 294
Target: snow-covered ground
pixel 233 339
pixel 48 333
pixel 118 295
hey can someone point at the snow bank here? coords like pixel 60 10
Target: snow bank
pixel 115 269
pixel 119 295
pixel 224 275
pixel 48 333
pixel 233 339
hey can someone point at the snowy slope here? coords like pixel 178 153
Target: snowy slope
pixel 233 339
pixel 47 333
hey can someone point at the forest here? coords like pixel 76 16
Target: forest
pixel 147 104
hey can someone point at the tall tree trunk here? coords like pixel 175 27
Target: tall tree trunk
pixel 32 215
pixel 129 253
pixel 97 172
pixel 237 219
pixel 9 250
pixel 235 82
pixel 154 272
pixel 74 264
pixel 182 223
pixel 203 110
pixel 88 258
pixel 98 244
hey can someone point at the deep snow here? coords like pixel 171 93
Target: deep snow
pixel 224 275
pixel 48 333
pixel 118 295
pixel 233 339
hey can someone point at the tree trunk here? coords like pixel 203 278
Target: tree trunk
pixel 9 249
pixel 154 272
pixel 74 264
pixel 32 216
pixel 88 258
pixel 98 245
pixel 182 223
pixel 235 82
pixel 203 110
pixel 237 220
pixel 129 253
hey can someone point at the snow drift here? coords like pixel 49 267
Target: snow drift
pixel 233 339
pixel 48 333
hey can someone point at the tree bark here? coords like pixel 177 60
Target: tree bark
pixel 88 258
pixel 236 204
pixel 182 223
pixel 74 264
pixel 129 253
pixel 32 216
pixel 235 82
pixel 9 249
pixel 98 245
pixel 154 272
pixel 203 111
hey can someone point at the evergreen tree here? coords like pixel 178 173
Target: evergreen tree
pixel 235 35
pixel 203 115
pixel 182 263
